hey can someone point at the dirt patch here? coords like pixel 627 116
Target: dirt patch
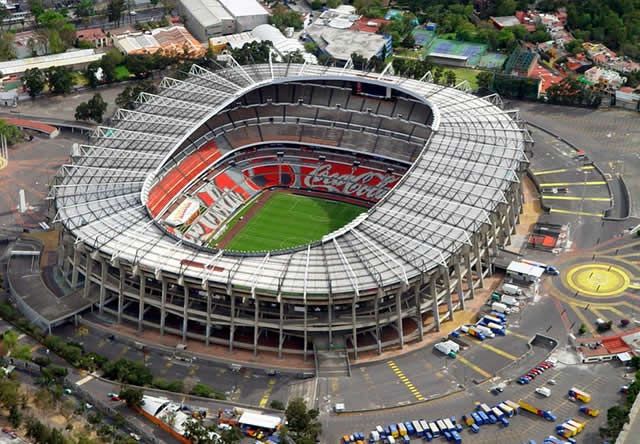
pixel 246 217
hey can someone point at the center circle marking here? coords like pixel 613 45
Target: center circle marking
pixel 598 279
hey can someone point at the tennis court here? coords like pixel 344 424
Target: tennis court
pixel 473 51
pixel 492 60
pixel 423 37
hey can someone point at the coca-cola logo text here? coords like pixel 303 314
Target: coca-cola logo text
pixel 369 185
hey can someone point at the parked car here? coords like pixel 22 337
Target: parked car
pixel 551 382
pixel 544 391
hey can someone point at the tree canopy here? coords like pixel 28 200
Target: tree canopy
pixel 283 17
pixel 94 109
pixel 34 81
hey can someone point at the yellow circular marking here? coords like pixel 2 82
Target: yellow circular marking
pixel 3 162
pixel 598 279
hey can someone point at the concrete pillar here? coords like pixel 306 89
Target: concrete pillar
pixel 330 313
pixel 399 314
pixel 467 263
pixel 185 312
pixel 121 274
pixel 456 266
pixel 447 285
pixel 255 326
pixel 87 275
pixel 66 264
pixel 232 317
pixel 305 330
pixel 60 256
pixel 418 313
pixel 141 295
pixel 487 254
pixel 207 334
pixel 104 266
pixel 376 310
pixel 163 305
pixel 354 330
pixel 507 226
pixel 434 298
pixel 281 330
pixel 494 232
pixel 74 271
pixel 476 253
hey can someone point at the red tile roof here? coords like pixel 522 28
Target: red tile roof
pixel 364 24
pixel 90 34
pixel 546 77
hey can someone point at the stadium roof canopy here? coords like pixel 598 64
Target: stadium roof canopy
pixel 461 174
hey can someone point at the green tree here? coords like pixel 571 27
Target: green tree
pixel 126 99
pixel 484 79
pixel 302 421
pixel 437 74
pixel 128 372
pixel 311 47
pixel 139 65
pixel 276 404
pixel 369 8
pixel 84 8
pixel 230 436
pixel 505 7
pixel 36 7
pixel 94 110
pixel 333 4
pixel 59 79
pixel 450 77
pixel 7 52
pixel 15 416
pixel 22 352
pixel 115 8
pixel 283 17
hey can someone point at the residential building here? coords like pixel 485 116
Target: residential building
pixel 96 36
pixel 172 40
pixel 610 78
pixel 547 78
pixel 627 97
pixel 365 24
pixel 504 22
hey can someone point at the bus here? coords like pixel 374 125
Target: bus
pixel 435 431
pixel 506 409
pixel 579 394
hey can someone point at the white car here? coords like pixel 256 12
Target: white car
pixel 551 382
pixel 544 391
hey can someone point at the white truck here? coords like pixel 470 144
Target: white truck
pixel 509 300
pixel 500 308
pixel 511 289
pixel 448 348
pixel 485 331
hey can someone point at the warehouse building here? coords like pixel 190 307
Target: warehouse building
pixel 339 43
pixel 212 18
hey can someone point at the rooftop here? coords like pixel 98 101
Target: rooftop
pixel 242 8
pixel 74 57
pixel 173 38
pixel 90 34
pixel 505 21
pixel 365 24
pixel 207 12
pixel 341 43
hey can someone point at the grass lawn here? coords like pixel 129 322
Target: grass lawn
pixel 78 78
pixel 288 220
pixel 465 74
pixel 409 53
pixel 122 73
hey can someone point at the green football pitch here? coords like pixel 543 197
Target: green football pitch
pixel 289 220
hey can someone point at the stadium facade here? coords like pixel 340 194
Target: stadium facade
pixel 439 168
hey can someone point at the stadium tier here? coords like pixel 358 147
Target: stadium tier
pixel 150 203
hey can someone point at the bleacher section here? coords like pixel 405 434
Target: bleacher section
pixel 225 189
pixel 180 176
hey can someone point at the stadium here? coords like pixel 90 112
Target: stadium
pixel 292 208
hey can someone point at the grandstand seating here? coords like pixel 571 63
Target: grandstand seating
pixel 180 176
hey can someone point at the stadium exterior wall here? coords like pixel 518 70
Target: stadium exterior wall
pixel 128 292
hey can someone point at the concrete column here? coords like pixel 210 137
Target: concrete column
pixel 208 328
pixel 74 271
pixel 330 313
pixel 399 315
pixel 376 309
pixel 476 253
pixel 418 313
pixel 487 254
pixel 305 330
pixel 255 326
pixel 456 266
pixel 232 317
pixel 60 257
pixel 141 295
pixel 447 284
pixel 281 330
pixel 121 273
pixel 507 226
pixel 467 263
pixel 66 264
pixel 163 305
pixel 185 313
pixel 434 298
pixel 494 231
pixel 354 330
pixel 87 275
pixel 104 266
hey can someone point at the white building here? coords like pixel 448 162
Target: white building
pixel 75 59
pixel 211 18
pixel 609 77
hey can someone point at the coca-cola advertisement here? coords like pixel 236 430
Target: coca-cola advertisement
pixel 333 177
